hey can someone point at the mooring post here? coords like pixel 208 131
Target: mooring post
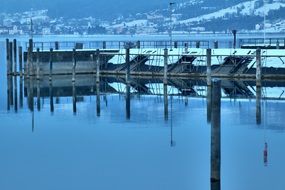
pixel 20 60
pixel 258 67
pixel 258 104
pixel 50 63
pixel 38 63
pixel 128 65
pixel 98 66
pixel 74 64
pixel 104 45
pixel 98 106
pixel 216 44
pixel 198 44
pixel 15 55
pixel 209 63
pixel 216 135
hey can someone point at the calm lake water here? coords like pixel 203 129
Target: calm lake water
pixel 61 149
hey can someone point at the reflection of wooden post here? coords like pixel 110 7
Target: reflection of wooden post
pixel 258 67
pixel 216 136
pixel 21 60
pixel 165 94
pixel 209 103
pixel 7 54
pixel 9 89
pixel 15 55
pixel 98 106
pixel 38 95
pixel 30 57
pixel 10 69
pixel 50 64
pixel 15 94
pixel 21 92
pixel 128 101
pixel 209 63
pixel 74 97
pixel 258 105
pixel 51 97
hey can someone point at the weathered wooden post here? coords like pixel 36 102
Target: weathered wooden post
pixel 165 94
pixel 104 45
pixel 209 64
pixel 20 60
pixel 258 67
pixel 198 44
pixel 277 45
pixel 50 63
pixel 216 135
pixel 15 55
pixel 258 105
pixel 216 44
pixel 175 44
pixel 74 64
pixel 235 38
pixel 38 64
pixel 98 60
pixel 98 106
pixel 128 65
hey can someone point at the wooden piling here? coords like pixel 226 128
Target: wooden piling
pixel 74 98
pixel 138 44
pixel 20 60
pixel 56 45
pixel 38 64
pixel 165 66
pixel 51 97
pixel 15 56
pixel 128 65
pixel 98 66
pixel 50 63
pixel 209 64
pixel 165 95
pixel 209 103
pixel 258 67
pixel 30 57
pixel 74 64
pixel 216 135
pixel 175 44
pixel 277 45
pixel 21 93
pixel 7 53
pixel 15 94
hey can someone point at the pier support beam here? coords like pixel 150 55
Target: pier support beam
pixel 7 54
pixel 98 66
pixel 30 57
pixel 128 65
pixel 165 91
pixel 104 45
pixel 258 67
pixel 216 136
pixel 209 64
pixel 165 66
pixel 38 64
